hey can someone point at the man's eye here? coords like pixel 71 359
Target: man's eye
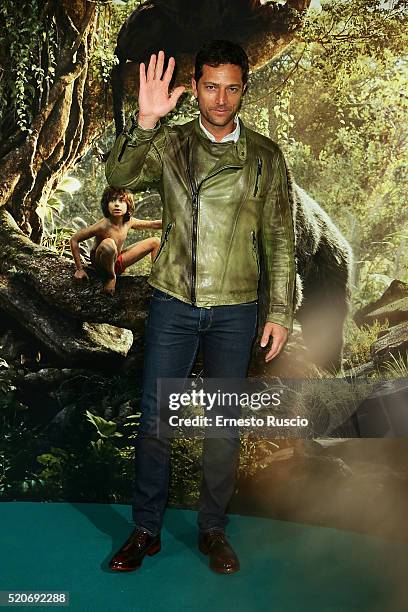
pixel 234 89
pixel 210 86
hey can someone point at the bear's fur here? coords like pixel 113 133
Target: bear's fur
pixel 324 262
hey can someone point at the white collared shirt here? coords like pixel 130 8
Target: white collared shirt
pixel 232 136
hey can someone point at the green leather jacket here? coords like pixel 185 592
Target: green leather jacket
pixel 221 227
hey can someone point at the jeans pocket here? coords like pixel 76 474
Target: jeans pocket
pixel 161 296
pixel 253 303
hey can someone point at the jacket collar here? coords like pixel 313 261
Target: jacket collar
pixel 237 153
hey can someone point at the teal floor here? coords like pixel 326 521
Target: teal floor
pixel 286 567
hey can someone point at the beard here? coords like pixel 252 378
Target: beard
pixel 219 119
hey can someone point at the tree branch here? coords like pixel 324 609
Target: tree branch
pixel 52 278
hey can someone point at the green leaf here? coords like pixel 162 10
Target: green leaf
pixel 69 184
pixel 105 429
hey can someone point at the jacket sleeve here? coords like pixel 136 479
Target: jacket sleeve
pixel 136 159
pixel 278 243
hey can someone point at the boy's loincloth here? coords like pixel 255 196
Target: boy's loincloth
pixel 119 265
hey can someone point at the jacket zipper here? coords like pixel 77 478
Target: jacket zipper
pixel 123 149
pixel 166 235
pixel 196 205
pixel 258 174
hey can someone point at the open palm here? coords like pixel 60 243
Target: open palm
pixel 154 98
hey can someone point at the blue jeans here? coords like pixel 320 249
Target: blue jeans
pixel 175 330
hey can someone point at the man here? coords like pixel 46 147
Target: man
pixel 225 212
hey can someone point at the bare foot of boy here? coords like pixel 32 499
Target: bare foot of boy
pixel 110 286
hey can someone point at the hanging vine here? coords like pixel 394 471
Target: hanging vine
pixel 28 46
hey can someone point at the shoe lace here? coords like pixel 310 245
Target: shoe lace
pixel 141 535
pixel 138 537
pixel 217 536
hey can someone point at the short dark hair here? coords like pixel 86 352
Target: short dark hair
pixel 217 52
pixel 110 194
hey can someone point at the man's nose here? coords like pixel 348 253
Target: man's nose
pixel 221 96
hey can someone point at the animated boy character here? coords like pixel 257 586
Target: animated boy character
pixel 110 233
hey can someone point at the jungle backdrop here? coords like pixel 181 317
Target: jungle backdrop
pixel 335 99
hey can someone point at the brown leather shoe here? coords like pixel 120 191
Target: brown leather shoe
pixel 130 556
pixel 223 559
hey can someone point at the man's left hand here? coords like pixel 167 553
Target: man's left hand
pixel 279 336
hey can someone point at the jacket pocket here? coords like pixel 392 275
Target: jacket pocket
pixel 164 241
pixel 255 250
pixel 258 176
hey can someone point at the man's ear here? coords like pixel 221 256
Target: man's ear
pixel 245 89
pixel 194 86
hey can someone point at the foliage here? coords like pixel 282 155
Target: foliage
pixel 15 436
pixel 106 431
pixel 396 366
pixel 343 32
pixel 57 466
pixel 336 101
pixel 254 453
pixel 110 18
pixel 56 230
pixel 186 471
pixel 94 459
pixel 359 175
pixel 358 341
pixel 29 40
pixel 54 205
pixel 34 467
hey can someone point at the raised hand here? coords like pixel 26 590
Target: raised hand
pixel 154 98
